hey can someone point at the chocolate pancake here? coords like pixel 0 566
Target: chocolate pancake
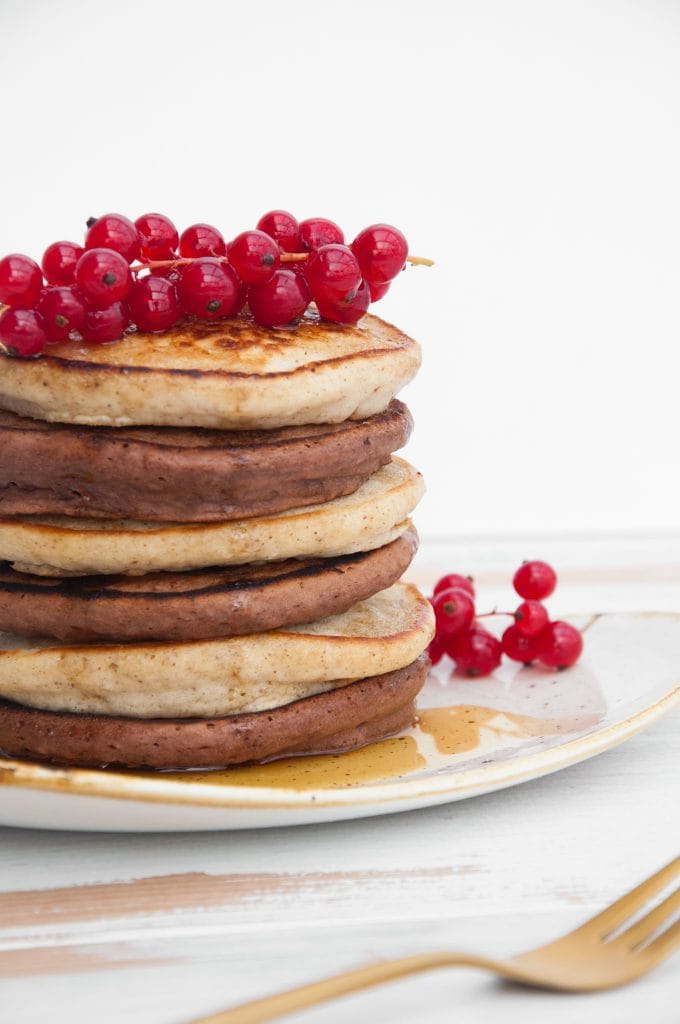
pixel 200 604
pixel 340 720
pixel 199 475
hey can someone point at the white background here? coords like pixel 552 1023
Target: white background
pixel 532 149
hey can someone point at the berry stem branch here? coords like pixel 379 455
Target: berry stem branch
pixel 286 257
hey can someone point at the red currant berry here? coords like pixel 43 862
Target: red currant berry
pixel 59 262
pixel 350 312
pixel 63 311
pixel 209 289
pixel 454 579
pixel 158 236
pixel 153 304
pixel 281 301
pixel 477 652
pixel 103 277
pixel 381 251
pixel 201 240
pixel 20 280
pixel 436 650
pixel 283 228
pixel 254 256
pixel 559 645
pixel 333 275
pixel 378 290
pixel 22 332
pixel 114 231
pixel 103 325
pixel 517 646
pixel 535 580
pixel 530 618
pixel 316 232
pixel 454 611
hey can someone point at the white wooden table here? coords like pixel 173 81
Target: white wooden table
pixel 158 929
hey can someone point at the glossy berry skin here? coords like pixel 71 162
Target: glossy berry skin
pixel 436 650
pixel 517 646
pixel 348 312
pixel 559 645
pixel 59 262
pixel 454 579
pixel 22 332
pixel 281 301
pixel 103 277
pixel 209 289
pixel 535 580
pixel 153 303
pixel 102 325
pixel 454 611
pixel 316 231
pixel 333 275
pixel 20 280
pixel 254 256
pixel 283 228
pixel 63 310
pixel 476 652
pixel 114 231
pixel 378 291
pixel 201 240
pixel 158 236
pixel 381 251
pixel 530 618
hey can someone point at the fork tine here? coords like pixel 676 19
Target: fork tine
pixel 627 905
pixel 666 942
pixel 647 925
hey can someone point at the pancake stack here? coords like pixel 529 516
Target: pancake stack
pixel 201 535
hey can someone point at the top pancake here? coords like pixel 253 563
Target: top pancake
pixel 228 375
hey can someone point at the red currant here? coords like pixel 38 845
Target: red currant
pixel 103 277
pixel 114 231
pixel 454 611
pixel 281 301
pixel 454 579
pixel 201 240
pixel 20 280
pixel 476 652
pixel 378 291
pixel 209 289
pixel 530 618
pixel 535 580
pixel 333 275
pixel 381 251
pixel 63 311
pixel 158 236
pixel 22 332
pixel 517 646
pixel 103 325
pixel 254 256
pixel 436 650
pixel 317 231
pixel 59 262
pixel 350 312
pixel 559 645
pixel 283 228
pixel 153 304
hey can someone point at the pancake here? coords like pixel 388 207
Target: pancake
pixel 200 604
pixel 226 676
pixel 371 517
pixel 171 473
pixel 228 375
pixel 342 719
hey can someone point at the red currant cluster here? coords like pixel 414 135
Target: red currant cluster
pixel 145 275
pixel 532 637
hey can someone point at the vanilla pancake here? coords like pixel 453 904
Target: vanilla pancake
pixel 189 475
pixel 228 374
pixel 214 678
pixel 341 719
pixel 200 604
pixel 371 517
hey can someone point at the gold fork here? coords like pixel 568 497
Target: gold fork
pixel 615 947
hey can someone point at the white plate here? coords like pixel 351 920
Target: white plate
pixel 474 736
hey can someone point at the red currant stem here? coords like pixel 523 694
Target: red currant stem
pixel 285 257
pixel 293 257
pixel 420 261
pixel 156 264
pixel 487 615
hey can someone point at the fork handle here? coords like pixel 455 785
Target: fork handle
pixel 300 998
